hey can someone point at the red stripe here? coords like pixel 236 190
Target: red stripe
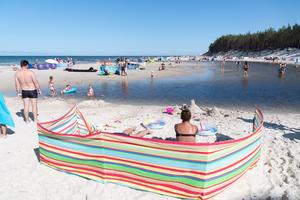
pixel 137 144
pixel 163 141
pixel 128 179
pixel 148 165
pixel 68 126
pixel 58 118
pixel 223 187
pixel 149 139
pixel 125 172
pixel 85 122
pixel 145 153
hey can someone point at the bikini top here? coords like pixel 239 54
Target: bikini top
pixel 189 134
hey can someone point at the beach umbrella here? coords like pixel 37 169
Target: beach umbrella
pixel 51 61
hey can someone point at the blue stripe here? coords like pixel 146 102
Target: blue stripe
pixel 158 160
pixel 102 164
pixel 63 124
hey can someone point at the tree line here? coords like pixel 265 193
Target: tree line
pixel 287 36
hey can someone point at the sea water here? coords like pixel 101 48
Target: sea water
pixel 15 60
pixel 209 85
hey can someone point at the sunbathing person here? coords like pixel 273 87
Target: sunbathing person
pixel 67 88
pixel 130 132
pixel 185 131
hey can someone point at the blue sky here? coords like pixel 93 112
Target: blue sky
pixel 132 27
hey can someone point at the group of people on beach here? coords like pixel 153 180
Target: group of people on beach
pixel 185 131
pixel 246 67
pixel 68 87
pixel 123 63
pixel 28 88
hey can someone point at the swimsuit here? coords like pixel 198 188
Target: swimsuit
pixel 31 94
pixel 185 135
pixel 51 87
pixel 190 134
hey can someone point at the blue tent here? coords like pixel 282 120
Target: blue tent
pixel 5 116
pixel 108 70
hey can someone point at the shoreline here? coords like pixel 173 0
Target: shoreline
pixel 103 84
pixel 61 77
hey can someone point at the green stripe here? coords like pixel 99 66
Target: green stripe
pixel 140 172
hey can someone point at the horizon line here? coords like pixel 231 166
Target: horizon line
pixel 40 55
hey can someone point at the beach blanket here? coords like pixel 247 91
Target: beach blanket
pixel 177 169
pixel 5 116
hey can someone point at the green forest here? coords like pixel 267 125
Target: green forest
pixel 287 36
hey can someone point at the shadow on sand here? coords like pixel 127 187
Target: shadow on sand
pixel 21 114
pixel 10 131
pixel 222 137
pixel 290 132
pixel 37 153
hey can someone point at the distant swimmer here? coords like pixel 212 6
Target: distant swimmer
pixel 282 68
pixel 90 92
pixel 246 68
pixel 223 62
pixel 152 74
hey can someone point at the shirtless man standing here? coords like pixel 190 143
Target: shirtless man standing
pixel 28 88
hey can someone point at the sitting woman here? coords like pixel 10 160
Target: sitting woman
pixel 185 131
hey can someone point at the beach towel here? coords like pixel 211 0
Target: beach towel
pixel 5 116
pixel 172 168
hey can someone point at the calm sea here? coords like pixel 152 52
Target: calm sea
pixel 209 85
pixel 212 86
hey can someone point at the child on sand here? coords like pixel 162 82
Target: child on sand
pixel 90 92
pixel 67 88
pixel 51 87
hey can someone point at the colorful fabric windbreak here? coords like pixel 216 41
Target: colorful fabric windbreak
pixel 177 169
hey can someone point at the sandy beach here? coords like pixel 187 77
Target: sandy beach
pixel 276 176
pixel 150 100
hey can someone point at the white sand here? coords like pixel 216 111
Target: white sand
pixel 23 177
